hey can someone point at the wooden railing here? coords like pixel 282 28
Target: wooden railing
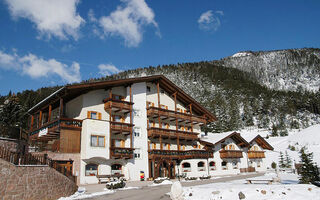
pixel 256 154
pixel 29 159
pixel 176 154
pixel 154 111
pixel 56 124
pixel 115 103
pixel 121 127
pixel 153 131
pixel 121 152
pixel 230 154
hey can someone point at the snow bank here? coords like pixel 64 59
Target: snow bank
pixel 287 190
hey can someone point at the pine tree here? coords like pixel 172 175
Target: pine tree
pixel 309 170
pixel 288 161
pixel 282 163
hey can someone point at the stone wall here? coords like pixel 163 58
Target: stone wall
pixel 14 145
pixel 33 182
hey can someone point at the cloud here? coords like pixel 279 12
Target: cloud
pixel 36 67
pixel 209 21
pixel 57 18
pixel 127 21
pixel 108 69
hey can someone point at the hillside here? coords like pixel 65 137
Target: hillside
pixel 236 97
pixel 294 69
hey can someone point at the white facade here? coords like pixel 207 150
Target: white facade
pixel 95 136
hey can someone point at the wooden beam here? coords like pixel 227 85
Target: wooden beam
pixel 49 114
pixel 31 123
pixel 40 118
pixel 61 108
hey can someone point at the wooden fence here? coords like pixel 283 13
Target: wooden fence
pixel 29 159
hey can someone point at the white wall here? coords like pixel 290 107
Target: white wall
pixel 140 121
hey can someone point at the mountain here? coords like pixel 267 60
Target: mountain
pixel 293 69
pixel 236 93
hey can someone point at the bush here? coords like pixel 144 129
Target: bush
pixel 115 185
pixel 205 177
pixel 274 165
pixel 191 178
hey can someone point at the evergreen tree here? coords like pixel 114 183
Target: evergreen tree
pixel 288 160
pixel 309 171
pixel 11 113
pixel 282 163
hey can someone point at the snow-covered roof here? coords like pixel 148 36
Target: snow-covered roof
pixel 215 138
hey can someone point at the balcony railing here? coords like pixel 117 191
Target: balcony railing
pixel 55 125
pixel 121 152
pixel 117 105
pixel 120 127
pixel 256 154
pixel 170 114
pixel 176 154
pixel 230 154
pixel 169 133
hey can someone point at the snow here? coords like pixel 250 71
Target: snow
pixel 288 189
pixel 165 182
pixel 80 194
pixel 241 54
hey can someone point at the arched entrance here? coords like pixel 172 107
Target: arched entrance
pixel 116 169
pixel 164 168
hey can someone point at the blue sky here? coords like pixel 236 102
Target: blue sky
pixel 46 43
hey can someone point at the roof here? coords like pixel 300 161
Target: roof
pixel 261 142
pixel 69 92
pixel 221 137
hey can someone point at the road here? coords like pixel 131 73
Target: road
pixel 159 192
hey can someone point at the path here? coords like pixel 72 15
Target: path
pixel 159 192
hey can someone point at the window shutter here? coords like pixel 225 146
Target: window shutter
pixel 99 116
pixel 89 114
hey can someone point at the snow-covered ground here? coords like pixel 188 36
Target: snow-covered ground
pixel 288 189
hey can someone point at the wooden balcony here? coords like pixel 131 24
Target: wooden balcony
pixel 230 154
pixel 54 127
pixel 121 128
pixel 172 134
pixel 154 112
pixel 181 155
pixel 256 154
pixel 117 105
pixel 121 153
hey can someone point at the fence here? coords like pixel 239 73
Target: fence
pixel 29 159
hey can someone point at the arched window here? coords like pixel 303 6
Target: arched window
pixel 201 166
pixel 212 166
pixel 224 165
pixel 235 164
pixel 186 167
pixel 116 169
pixel 91 170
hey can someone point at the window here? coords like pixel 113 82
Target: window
pixel 93 115
pixel 230 147
pixel 148 89
pixel 234 164
pixel 201 166
pixel 137 153
pixel 97 141
pixel 116 169
pixel 118 118
pixel 136 132
pixel 212 166
pixel 119 143
pixel 186 167
pixel 224 165
pixel 91 170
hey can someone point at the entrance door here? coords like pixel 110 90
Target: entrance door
pixel 63 166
